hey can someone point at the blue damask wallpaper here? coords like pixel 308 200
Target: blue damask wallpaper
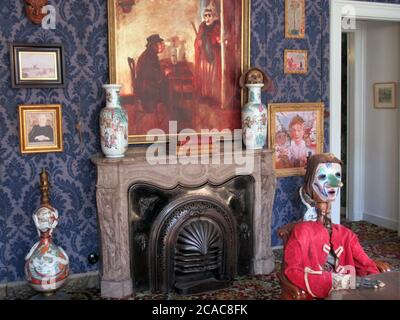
pixel 82 27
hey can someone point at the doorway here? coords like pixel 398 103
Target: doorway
pixel 361 141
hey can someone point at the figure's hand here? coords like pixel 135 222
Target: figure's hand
pixel 42 138
pixel 341 281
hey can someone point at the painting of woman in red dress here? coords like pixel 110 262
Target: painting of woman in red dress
pixel 208 57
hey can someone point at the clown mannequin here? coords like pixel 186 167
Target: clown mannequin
pixel 321 256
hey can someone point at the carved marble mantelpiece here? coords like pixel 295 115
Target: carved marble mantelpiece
pixel 116 176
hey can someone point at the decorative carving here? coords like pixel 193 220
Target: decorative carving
pixel 146 204
pixel 142 240
pixel 181 216
pixel 199 248
pixel 245 230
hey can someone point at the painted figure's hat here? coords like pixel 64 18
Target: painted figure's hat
pixel 154 38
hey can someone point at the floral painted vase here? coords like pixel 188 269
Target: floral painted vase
pixel 113 124
pixel 254 119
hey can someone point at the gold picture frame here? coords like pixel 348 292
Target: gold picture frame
pixel 295 16
pixel 295 61
pixel 294 131
pixel 123 62
pixel 40 128
pixel 385 95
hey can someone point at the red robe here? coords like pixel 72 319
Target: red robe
pixel 307 250
pixel 208 70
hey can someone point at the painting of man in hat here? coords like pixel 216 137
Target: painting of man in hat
pixel 151 80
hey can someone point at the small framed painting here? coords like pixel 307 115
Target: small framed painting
pixel 385 95
pixel 40 128
pixel 37 66
pixel 295 61
pixel 296 131
pixel 295 13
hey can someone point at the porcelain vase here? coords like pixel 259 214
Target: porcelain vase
pixel 46 264
pixel 254 119
pixel 113 124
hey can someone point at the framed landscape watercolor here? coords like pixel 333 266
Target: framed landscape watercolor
pixel 295 61
pixel 40 128
pixel 37 66
pixel 179 60
pixel 295 132
pixel 295 19
pixel 385 95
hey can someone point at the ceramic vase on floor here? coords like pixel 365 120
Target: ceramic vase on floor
pixel 254 119
pixel 113 124
pixel 46 264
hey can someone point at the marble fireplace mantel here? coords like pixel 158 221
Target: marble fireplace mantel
pixel 116 176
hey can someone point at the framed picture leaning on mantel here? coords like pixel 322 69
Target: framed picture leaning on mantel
pixel 37 65
pixel 179 61
pixel 296 130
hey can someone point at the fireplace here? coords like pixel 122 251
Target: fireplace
pixel 191 239
pixel 183 228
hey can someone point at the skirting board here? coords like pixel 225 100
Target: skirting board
pixel 75 282
pixel 380 221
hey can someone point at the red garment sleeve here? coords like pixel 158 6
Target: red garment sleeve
pixel 363 264
pixel 298 270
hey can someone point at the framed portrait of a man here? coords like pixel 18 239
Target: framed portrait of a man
pixel 40 128
pixel 180 61
pixel 295 132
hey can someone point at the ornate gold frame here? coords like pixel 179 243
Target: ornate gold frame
pixel 25 146
pixel 274 108
pixel 245 63
pixel 303 21
pixel 305 61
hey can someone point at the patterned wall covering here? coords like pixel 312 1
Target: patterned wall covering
pixel 82 28
pixel 267 47
pixel 268 44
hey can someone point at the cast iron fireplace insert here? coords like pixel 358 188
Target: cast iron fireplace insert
pixel 191 239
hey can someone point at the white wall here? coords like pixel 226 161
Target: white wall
pixel 381 171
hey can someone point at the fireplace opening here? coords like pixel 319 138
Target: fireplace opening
pixel 191 239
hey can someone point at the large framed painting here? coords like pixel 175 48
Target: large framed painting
pixel 296 131
pixel 179 60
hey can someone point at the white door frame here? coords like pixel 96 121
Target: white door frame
pixel 349 11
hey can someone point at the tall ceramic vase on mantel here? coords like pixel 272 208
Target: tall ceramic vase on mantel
pixel 113 124
pixel 254 118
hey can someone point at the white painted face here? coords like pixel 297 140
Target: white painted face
pixel 327 181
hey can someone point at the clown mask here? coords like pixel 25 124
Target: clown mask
pixel 327 181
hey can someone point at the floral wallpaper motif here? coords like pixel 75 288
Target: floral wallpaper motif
pixel 82 27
